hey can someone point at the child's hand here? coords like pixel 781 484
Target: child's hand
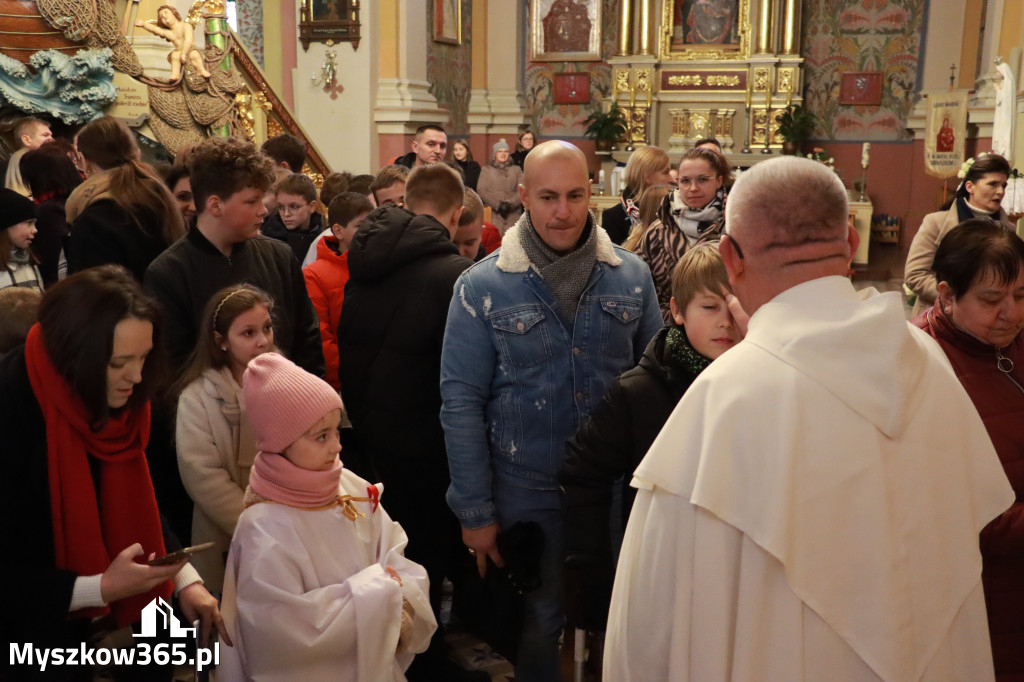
pixel 393 574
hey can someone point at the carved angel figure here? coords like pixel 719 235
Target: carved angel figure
pixel 170 27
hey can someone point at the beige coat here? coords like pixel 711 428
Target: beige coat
pixel 918 275
pixel 216 448
pixel 498 184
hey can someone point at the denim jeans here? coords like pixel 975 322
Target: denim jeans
pixel 544 617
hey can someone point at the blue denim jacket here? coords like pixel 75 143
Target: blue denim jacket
pixel 515 384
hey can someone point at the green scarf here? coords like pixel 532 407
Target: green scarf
pixel 681 355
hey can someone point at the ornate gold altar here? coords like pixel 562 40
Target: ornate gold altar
pixel 688 69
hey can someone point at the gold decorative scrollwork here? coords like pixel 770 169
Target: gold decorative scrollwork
pixel 688 79
pixel 622 82
pixel 638 125
pixel 764 118
pixel 206 8
pixel 760 80
pixel 643 80
pixel 246 103
pixel 689 125
pixel 711 81
pixel 723 81
pixel 785 80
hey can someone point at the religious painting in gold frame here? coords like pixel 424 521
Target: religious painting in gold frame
pixel 705 29
pixel 448 21
pixel 565 30
pixel 329 21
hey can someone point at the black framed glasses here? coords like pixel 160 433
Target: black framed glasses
pixel 735 244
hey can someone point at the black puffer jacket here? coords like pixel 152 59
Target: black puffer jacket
pixel 186 275
pixel 616 223
pixel 608 448
pixel 402 270
pixel 299 240
pixel 107 234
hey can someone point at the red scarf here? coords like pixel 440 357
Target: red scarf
pixel 92 524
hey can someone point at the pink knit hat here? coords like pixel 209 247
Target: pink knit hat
pixel 282 400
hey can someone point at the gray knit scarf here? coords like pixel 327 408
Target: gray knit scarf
pixel 566 276
pixel 20 256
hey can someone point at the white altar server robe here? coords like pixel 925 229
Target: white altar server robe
pixel 307 597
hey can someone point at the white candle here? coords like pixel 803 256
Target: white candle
pixel 600 177
pixel 865 154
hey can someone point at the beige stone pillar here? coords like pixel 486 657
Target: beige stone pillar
pixel 495 105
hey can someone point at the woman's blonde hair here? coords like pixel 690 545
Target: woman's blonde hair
pixel 648 203
pixel 642 163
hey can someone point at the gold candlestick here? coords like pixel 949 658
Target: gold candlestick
pixel 767 119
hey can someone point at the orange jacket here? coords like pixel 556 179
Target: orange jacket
pixel 325 282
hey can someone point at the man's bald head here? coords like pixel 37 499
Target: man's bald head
pixel 786 223
pixel 551 151
pixel 786 203
pixel 556 194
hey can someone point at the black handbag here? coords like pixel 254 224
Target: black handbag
pixel 492 608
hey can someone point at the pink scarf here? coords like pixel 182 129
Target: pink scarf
pixel 277 479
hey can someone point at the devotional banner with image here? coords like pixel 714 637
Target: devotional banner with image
pixel 944 133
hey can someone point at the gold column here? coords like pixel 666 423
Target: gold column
pixel 478 77
pixel 765 32
pixel 625 28
pixel 387 51
pixel 791 29
pixel 645 27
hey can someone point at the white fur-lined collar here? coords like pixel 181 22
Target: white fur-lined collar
pixel 513 258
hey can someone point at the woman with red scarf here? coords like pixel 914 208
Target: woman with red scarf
pixel 76 496
pixel 978 320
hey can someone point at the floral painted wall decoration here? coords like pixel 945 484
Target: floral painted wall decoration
pixel 841 36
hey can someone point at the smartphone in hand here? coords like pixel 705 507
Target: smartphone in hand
pixel 175 557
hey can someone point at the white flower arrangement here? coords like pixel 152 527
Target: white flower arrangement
pixel 819 155
pixel 964 168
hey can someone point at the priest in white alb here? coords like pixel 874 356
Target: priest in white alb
pixel 811 510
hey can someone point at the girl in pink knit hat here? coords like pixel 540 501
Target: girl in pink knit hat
pixel 317 587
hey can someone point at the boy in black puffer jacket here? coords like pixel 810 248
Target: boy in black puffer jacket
pixel 620 430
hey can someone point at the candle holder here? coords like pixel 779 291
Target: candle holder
pixel 767 120
pixel 863 182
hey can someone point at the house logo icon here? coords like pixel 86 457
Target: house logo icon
pixel 158 615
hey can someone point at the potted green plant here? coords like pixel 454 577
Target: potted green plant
pixel 795 125
pixel 606 128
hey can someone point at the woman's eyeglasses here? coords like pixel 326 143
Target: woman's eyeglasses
pixel 699 181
